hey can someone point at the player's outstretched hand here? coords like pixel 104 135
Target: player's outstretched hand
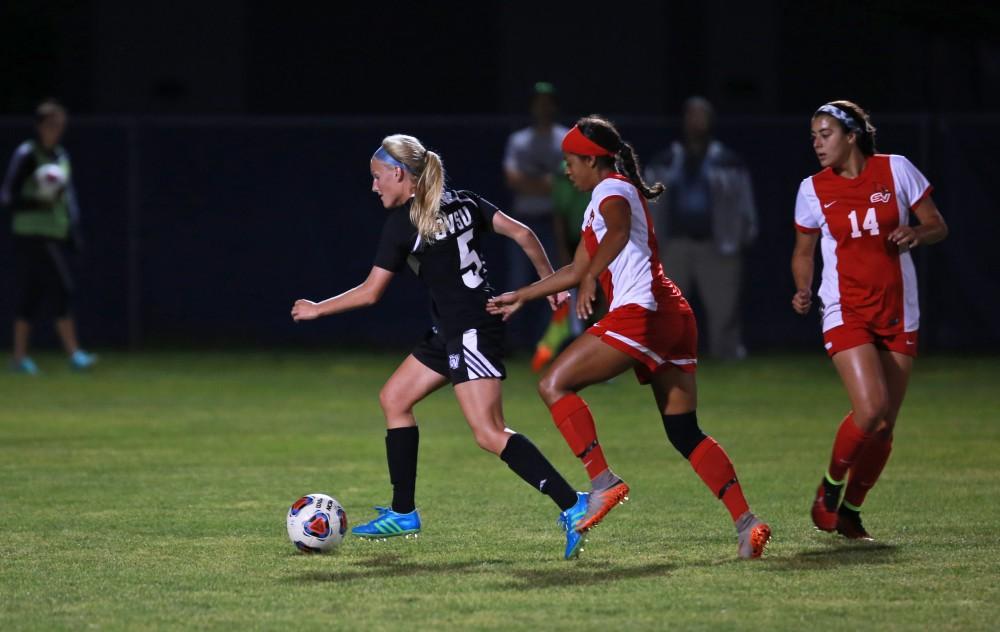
pixel 504 305
pixel 556 300
pixel 802 301
pixel 304 310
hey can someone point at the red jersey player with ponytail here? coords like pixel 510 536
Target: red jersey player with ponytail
pixel 858 208
pixel 649 328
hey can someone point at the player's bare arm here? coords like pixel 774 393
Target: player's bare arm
pixel 368 293
pixel 932 227
pixel 562 279
pixel 618 220
pixel 526 238
pixel 584 270
pixel 802 270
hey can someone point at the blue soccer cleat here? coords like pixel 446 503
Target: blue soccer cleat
pixel 389 524
pixel 569 521
pixel 81 360
pixel 25 365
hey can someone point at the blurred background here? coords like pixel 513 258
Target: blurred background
pixel 220 149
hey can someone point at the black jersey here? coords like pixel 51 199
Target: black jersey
pixel 451 265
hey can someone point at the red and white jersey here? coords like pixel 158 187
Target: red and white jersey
pixel 865 276
pixel 635 276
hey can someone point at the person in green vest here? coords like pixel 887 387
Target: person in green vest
pixel 38 193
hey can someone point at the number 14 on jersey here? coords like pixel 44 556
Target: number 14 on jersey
pixel 870 223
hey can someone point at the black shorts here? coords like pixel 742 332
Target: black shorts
pixel 43 283
pixel 473 355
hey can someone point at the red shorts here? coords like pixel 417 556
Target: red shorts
pixel 657 340
pixel 850 335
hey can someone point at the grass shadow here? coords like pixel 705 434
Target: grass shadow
pixel 569 574
pixel 581 574
pixel 395 565
pixel 838 554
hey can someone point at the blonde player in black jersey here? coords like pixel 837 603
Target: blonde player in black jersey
pixel 436 231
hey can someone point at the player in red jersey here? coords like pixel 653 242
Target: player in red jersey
pixel 649 328
pixel 858 209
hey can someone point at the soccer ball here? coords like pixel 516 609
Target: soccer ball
pixel 50 180
pixel 316 523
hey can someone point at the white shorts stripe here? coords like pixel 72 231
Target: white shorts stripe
pixel 473 365
pixel 684 361
pixel 474 358
pixel 646 352
pixel 470 345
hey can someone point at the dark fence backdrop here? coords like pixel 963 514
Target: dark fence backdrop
pixel 203 231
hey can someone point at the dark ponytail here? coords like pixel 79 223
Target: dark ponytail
pixel 603 132
pixel 628 162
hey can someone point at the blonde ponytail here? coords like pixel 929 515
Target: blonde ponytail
pixel 426 167
pixel 425 210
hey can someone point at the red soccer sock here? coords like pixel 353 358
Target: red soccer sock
pixel 846 448
pixel 866 469
pixel 712 464
pixel 572 416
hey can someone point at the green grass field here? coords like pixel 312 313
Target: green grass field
pixel 151 494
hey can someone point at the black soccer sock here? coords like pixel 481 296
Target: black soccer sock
pixel 850 513
pixel 831 493
pixel 527 461
pixel 683 432
pixel 401 452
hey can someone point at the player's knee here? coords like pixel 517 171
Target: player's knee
pixel 551 389
pixel 491 440
pixel 391 400
pixel 885 429
pixel 385 398
pixel 871 414
pixel 683 432
pixel 545 390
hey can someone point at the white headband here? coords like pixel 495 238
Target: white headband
pixel 841 116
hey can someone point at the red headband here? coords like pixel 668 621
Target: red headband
pixel 574 142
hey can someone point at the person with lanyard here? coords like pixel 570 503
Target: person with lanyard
pixel 705 221
pixel 858 208
pixel 649 328
pixel 437 232
pixel 38 192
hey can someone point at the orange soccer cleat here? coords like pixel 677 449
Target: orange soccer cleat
pixel 752 537
pixel 601 502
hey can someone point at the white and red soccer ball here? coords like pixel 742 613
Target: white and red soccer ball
pixel 316 523
pixel 50 181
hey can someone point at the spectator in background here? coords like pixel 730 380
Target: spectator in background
pixel 531 159
pixel 704 222
pixel 38 192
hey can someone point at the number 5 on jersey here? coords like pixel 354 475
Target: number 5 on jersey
pixel 469 261
pixel 870 223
